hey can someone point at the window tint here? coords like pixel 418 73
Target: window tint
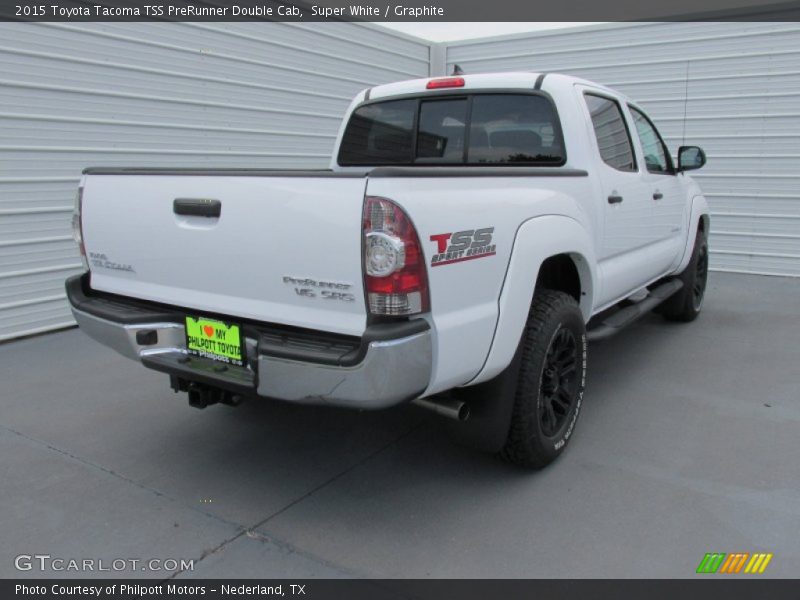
pixel 379 134
pixel 613 138
pixel 656 157
pixel 504 129
pixel 442 126
pixel 514 129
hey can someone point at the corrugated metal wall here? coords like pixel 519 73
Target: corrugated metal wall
pixel 732 88
pixel 188 94
pixel 272 95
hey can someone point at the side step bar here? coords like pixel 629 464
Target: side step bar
pixel 625 316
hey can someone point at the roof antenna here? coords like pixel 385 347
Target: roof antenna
pixel 457 70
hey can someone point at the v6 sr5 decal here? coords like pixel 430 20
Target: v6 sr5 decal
pixel 462 245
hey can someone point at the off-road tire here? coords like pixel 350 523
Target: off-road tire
pixel 686 304
pixel 555 324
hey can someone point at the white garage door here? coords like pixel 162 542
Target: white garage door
pixel 188 94
pixel 732 88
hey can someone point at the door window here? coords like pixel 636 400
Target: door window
pixel 656 157
pixel 611 131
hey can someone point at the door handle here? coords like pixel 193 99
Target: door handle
pixel 614 199
pixel 657 195
pixel 197 207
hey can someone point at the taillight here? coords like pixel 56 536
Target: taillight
pixel 77 226
pixel 446 82
pixel 394 266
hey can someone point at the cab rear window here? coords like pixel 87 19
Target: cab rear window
pixel 477 129
pixel 380 134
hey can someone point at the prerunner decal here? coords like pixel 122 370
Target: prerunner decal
pixel 462 245
pixel 327 290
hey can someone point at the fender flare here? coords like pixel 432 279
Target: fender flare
pixel 699 210
pixel 536 240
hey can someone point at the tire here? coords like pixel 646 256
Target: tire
pixel 685 305
pixel 551 381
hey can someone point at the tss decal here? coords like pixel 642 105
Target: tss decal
pixel 462 245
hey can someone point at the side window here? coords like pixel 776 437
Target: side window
pixel 613 138
pixel 656 157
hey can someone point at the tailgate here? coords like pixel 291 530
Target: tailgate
pixel 284 249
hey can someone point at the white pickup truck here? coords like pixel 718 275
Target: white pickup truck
pixel 471 234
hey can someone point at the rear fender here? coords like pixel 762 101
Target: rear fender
pixel 537 239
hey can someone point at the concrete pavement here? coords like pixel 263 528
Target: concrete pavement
pixel 688 443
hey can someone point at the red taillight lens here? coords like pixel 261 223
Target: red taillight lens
pixel 446 82
pixel 394 266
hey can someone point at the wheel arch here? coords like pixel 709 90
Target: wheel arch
pixel 704 223
pixel 699 219
pixel 567 272
pixel 551 251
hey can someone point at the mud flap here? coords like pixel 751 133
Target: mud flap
pixel 491 405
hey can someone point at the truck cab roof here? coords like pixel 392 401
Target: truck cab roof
pixel 522 80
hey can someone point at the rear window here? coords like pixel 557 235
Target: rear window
pixel 380 134
pixel 481 129
pixel 442 131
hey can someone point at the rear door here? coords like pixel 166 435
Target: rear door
pixel 625 201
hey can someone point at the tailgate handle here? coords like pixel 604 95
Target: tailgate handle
pixel 197 207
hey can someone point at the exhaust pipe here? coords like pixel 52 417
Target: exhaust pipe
pixel 447 407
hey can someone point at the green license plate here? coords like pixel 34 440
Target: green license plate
pixel 214 339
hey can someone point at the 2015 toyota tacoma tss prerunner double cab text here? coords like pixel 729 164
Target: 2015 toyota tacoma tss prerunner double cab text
pixel 471 234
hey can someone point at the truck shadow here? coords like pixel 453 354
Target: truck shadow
pixel 270 448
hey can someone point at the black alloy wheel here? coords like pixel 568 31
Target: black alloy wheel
pixel 559 382
pixel 700 278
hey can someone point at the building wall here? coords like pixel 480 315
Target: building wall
pixel 155 94
pixel 732 88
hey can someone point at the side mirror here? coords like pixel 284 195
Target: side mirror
pixel 690 158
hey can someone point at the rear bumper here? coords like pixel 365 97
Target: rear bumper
pixel 390 364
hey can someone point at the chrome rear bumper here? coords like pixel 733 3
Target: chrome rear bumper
pixel 392 371
pixel 122 338
pixel 392 364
